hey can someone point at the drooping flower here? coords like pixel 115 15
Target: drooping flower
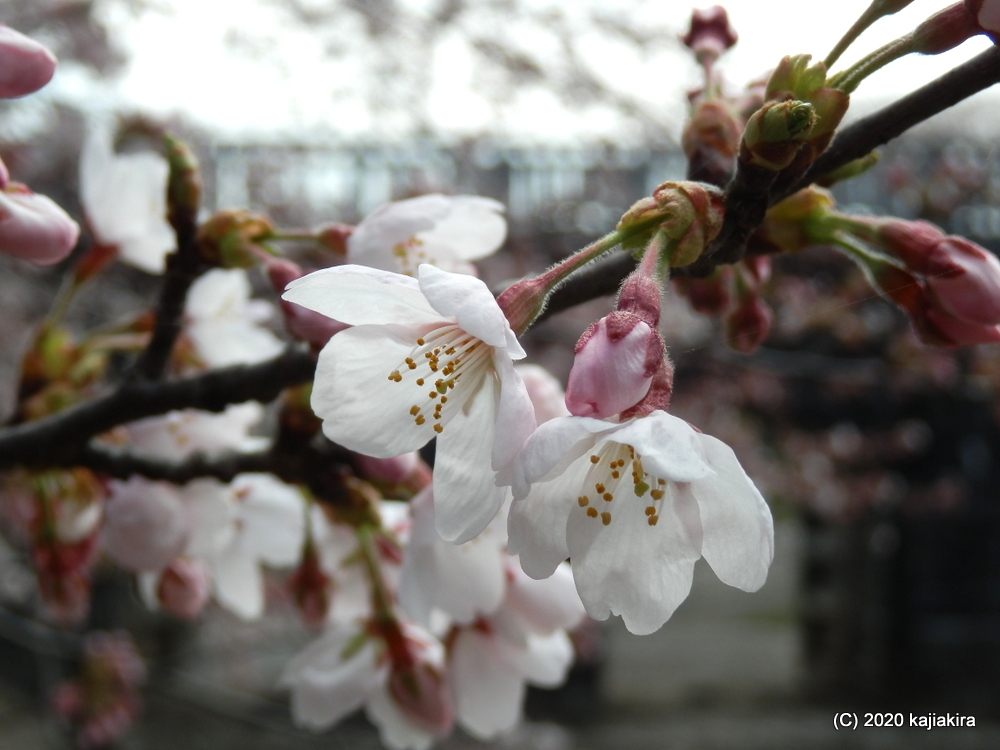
pixel 425 358
pixel 446 231
pixel 33 227
pixel 397 675
pixel 25 65
pixel 257 520
pixel 524 642
pixel 634 505
pixel 124 197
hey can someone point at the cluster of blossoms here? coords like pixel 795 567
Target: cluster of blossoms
pixel 440 592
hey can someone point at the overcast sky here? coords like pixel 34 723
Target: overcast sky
pixel 242 67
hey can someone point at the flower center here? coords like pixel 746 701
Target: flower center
pixel 616 472
pixel 410 253
pixel 438 361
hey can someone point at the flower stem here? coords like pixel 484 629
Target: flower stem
pixel 849 79
pixel 381 597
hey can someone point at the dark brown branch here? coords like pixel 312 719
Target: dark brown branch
pixel 122 464
pixel 53 439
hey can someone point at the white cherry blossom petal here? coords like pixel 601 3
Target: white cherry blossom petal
pixel 272 519
pixel 238 584
pixel 536 526
pixel 487 683
pixel 553 447
pixel 465 496
pixel 358 295
pixel 669 446
pixel 515 414
pixel 376 421
pixel 464 580
pixel 326 684
pixel 545 605
pixel 395 730
pixel 472 228
pixel 629 568
pixel 548 658
pixel 469 302
pixel 736 522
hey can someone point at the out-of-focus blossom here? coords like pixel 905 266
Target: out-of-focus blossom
pixel 634 505
pixel 182 589
pixel 711 33
pixel 425 358
pixel 223 322
pixel 255 521
pixel 124 198
pixel 523 643
pixel 399 678
pixel 25 65
pixel 104 701
pixel 145 524
pixel 465 581
pixel 545 391
pixel 446 231
pixel 33 227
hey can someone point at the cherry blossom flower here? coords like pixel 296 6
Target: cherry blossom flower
pixel 523 643
pixel 33 227
pixel 235 529
pixel 445 231
pixel 124 197
pixel 464 581
pixel 25 65
pixel 145 524
pixel 634 505
pixel 223 322
pixel 353 665
pixel 425 358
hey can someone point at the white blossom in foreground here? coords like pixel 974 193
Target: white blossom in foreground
pixel 634 505
pixel 425 358
pixel 445 231
pixel 124 197
pixel 224 322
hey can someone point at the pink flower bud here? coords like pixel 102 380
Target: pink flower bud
pixel 25 65
pixel 749 324
pixel 34 228
pixel 184 588
pixel 311 588
pixel 615 361
pixel 303 324
pixel 970 287
pixel 709 295
pixel 416 680
pixel 388 470
pixel 145 525
pixel 710 34
pixel 945 30
pixel 961 279
pixel 334 237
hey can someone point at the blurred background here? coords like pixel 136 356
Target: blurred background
pixel 878 455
